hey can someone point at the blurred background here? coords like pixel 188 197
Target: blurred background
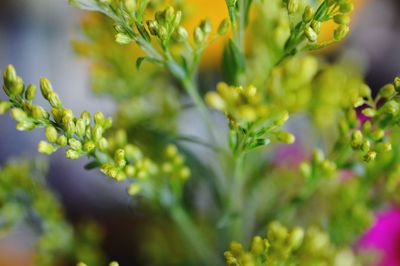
pixel 35 37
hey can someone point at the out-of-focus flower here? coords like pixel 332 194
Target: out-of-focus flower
pixel 384 237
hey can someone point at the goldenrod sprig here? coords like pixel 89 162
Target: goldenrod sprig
pixel 253 123
pixel 304 33
pixel 283 246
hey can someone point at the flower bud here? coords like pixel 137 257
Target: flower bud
pixel 75 144
pixel 296 237
pixel 130 5
pixel 177 19
pixel 85 116
pixel 182 34
pixel 397 84
pixel 223 27
pixel 121 176
pixel 103 144
pixel 25 125
pixel 387 91
pixel 383 147
pixel 257 245
pixel 369 112
pixel 346 7
pixel 341 19
pixel 72 154
pixel 153 27
pixel 184 173
pixel 134 189
pixel 308 14
pixel 162 32
pixel 99 118
pixel 45 87
pixel 46 148
pixel 109 169
pixel 391 107
pixel 130 170
pixel 51 133
pixel 54 100
pixel 316 26
pixel 198 35
pixel 341 32
pixel 122 38
pixel 18 87
pixel 310 34
pixel 69 125
pixel 18 114
pixel 80 127
pixel 292 6
pixel 356 139
pixel 62 140
pixel 97 133
pixel 10 76
pixel 169 14
pixel 205 26
pixel 39 112
pixel 171 151
pixel 119 158
pixel 370 156
pixel 4 107
pixel 133 153
pixel 89 146
pixel 30 92
pixel 365 146
pixel 286 137
pixel 214 100
pixel 108 123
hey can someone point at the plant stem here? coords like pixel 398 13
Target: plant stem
pixel 236 199
pixel 194 237
pixel 241 26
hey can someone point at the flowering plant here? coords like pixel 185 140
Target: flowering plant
pixel 260 168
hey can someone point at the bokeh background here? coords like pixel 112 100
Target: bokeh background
pixel 35 37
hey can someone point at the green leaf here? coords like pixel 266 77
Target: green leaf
pixel 91 165
pixel 140 60
pixel 143 32
pixel 91 5
pixel 233 63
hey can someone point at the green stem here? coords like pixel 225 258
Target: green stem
pixel 236 199
pixel 241 26
pixel 194 237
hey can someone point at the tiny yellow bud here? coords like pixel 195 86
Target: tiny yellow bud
pixel 134 189
pixel 46 148
pixel 51 133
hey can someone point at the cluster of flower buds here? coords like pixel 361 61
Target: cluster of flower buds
pixel 241 105
pixel 253 122
pixel 174 164
pixel 128 161
pixel 79 135
pixel 282 246
pixel 382 113
pixel 309 27
pixel 165 24
pixel 318 167
pixel 20 96
pixel 328 10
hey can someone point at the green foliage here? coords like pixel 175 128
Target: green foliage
pixel 297 246
pixel 143 56
pixel 26 200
